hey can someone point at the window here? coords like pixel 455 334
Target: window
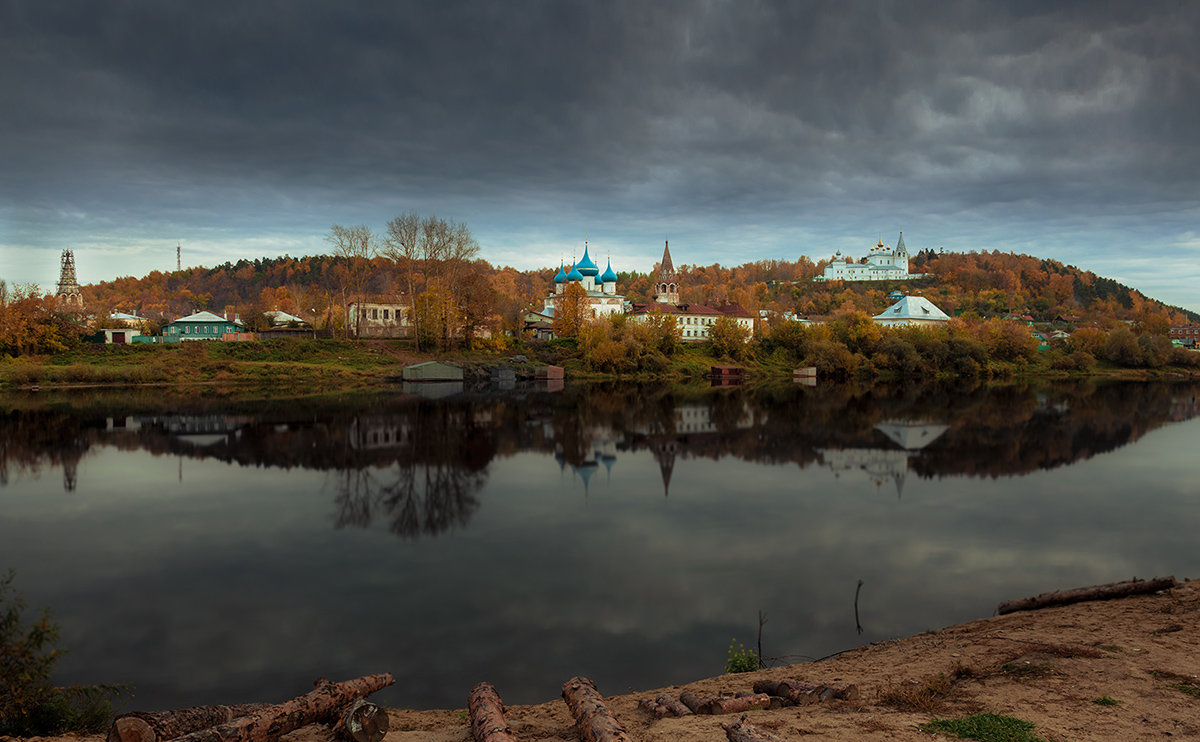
pixel 385 314
pixel 374 313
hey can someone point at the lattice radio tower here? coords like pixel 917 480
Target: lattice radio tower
pixel 69 295
pixel 178 259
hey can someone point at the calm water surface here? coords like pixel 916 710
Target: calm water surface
pixel 207 551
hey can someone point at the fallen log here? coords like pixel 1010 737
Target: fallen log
pixel 744 703
pixel 593 720
pixel 159 726
pixel 655 709
pixel 672 704
pixel 698 704
pixel 269 723
pixel 361 721
pixel 743 731
pixel 487 715
pixel 1081 594
pixel 796 691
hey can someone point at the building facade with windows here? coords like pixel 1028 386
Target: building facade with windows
pixel 379 319
pixel 201 326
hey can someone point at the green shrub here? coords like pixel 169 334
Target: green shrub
pixel 31 705
pixel 740 658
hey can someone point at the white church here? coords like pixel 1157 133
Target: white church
pixel 883 263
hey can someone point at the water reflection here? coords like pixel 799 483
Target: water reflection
pixel 212 551
pixel 421 461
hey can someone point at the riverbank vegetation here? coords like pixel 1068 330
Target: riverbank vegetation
pixel 31 704
pixel 847 346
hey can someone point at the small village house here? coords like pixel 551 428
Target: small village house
pixel 379 319
pixel 203 326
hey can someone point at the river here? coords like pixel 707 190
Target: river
pixel 210 550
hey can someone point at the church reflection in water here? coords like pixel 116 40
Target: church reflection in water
pixel 886 465
pixel 419 464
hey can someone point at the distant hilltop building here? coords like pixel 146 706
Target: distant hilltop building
pixel 882 264
pixel 69 296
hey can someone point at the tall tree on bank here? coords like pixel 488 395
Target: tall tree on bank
pixel 357 245
pixel 442 248
pixel 403 244
pixel 569 308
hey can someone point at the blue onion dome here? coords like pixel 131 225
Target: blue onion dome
pixel 575 275
pixel 561 275
pixel 586 266
pixel 609 276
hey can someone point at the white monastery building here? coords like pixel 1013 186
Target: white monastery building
pixel 882 264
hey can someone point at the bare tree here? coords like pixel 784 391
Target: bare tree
pixel 443 248
pixel 402 245
pixel 357 245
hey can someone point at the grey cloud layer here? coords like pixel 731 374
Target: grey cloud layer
pixel 702 109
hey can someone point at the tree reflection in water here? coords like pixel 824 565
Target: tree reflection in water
pixel 427 469
pixel 422 465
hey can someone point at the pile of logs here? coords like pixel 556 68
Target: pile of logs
pixel 767 694
pixel 341 705
pixel 351 718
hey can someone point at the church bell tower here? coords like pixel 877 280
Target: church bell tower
pixel 666 286
pixel 69 296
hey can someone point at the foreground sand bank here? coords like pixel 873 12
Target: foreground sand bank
pixel 1048 667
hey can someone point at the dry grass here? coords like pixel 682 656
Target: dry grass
pixel 1058 650
pixel 1187 684
pixel 926 695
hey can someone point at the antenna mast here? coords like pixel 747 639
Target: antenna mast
pixel 178 260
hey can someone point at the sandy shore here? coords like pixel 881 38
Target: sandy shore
pixel 1048 667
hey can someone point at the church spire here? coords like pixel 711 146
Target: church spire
pixel 666 287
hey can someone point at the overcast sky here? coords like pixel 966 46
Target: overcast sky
pixel 740 130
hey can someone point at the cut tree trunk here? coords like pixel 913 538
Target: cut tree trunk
pixel 158 726
pixel 487 715
pixel 654 708
pixel 698 704
pixel 1097 592
pixel 271 722
pixel 743 731
pixel 796 691
pixel 593 720
pixel 673 705
pixel 736 705
pixel 361 721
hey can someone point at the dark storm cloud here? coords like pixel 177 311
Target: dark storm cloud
pixel 253 112
pixel 600 96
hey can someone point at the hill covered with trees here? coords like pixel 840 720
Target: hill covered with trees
pixel 434 266
pixel 984 284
